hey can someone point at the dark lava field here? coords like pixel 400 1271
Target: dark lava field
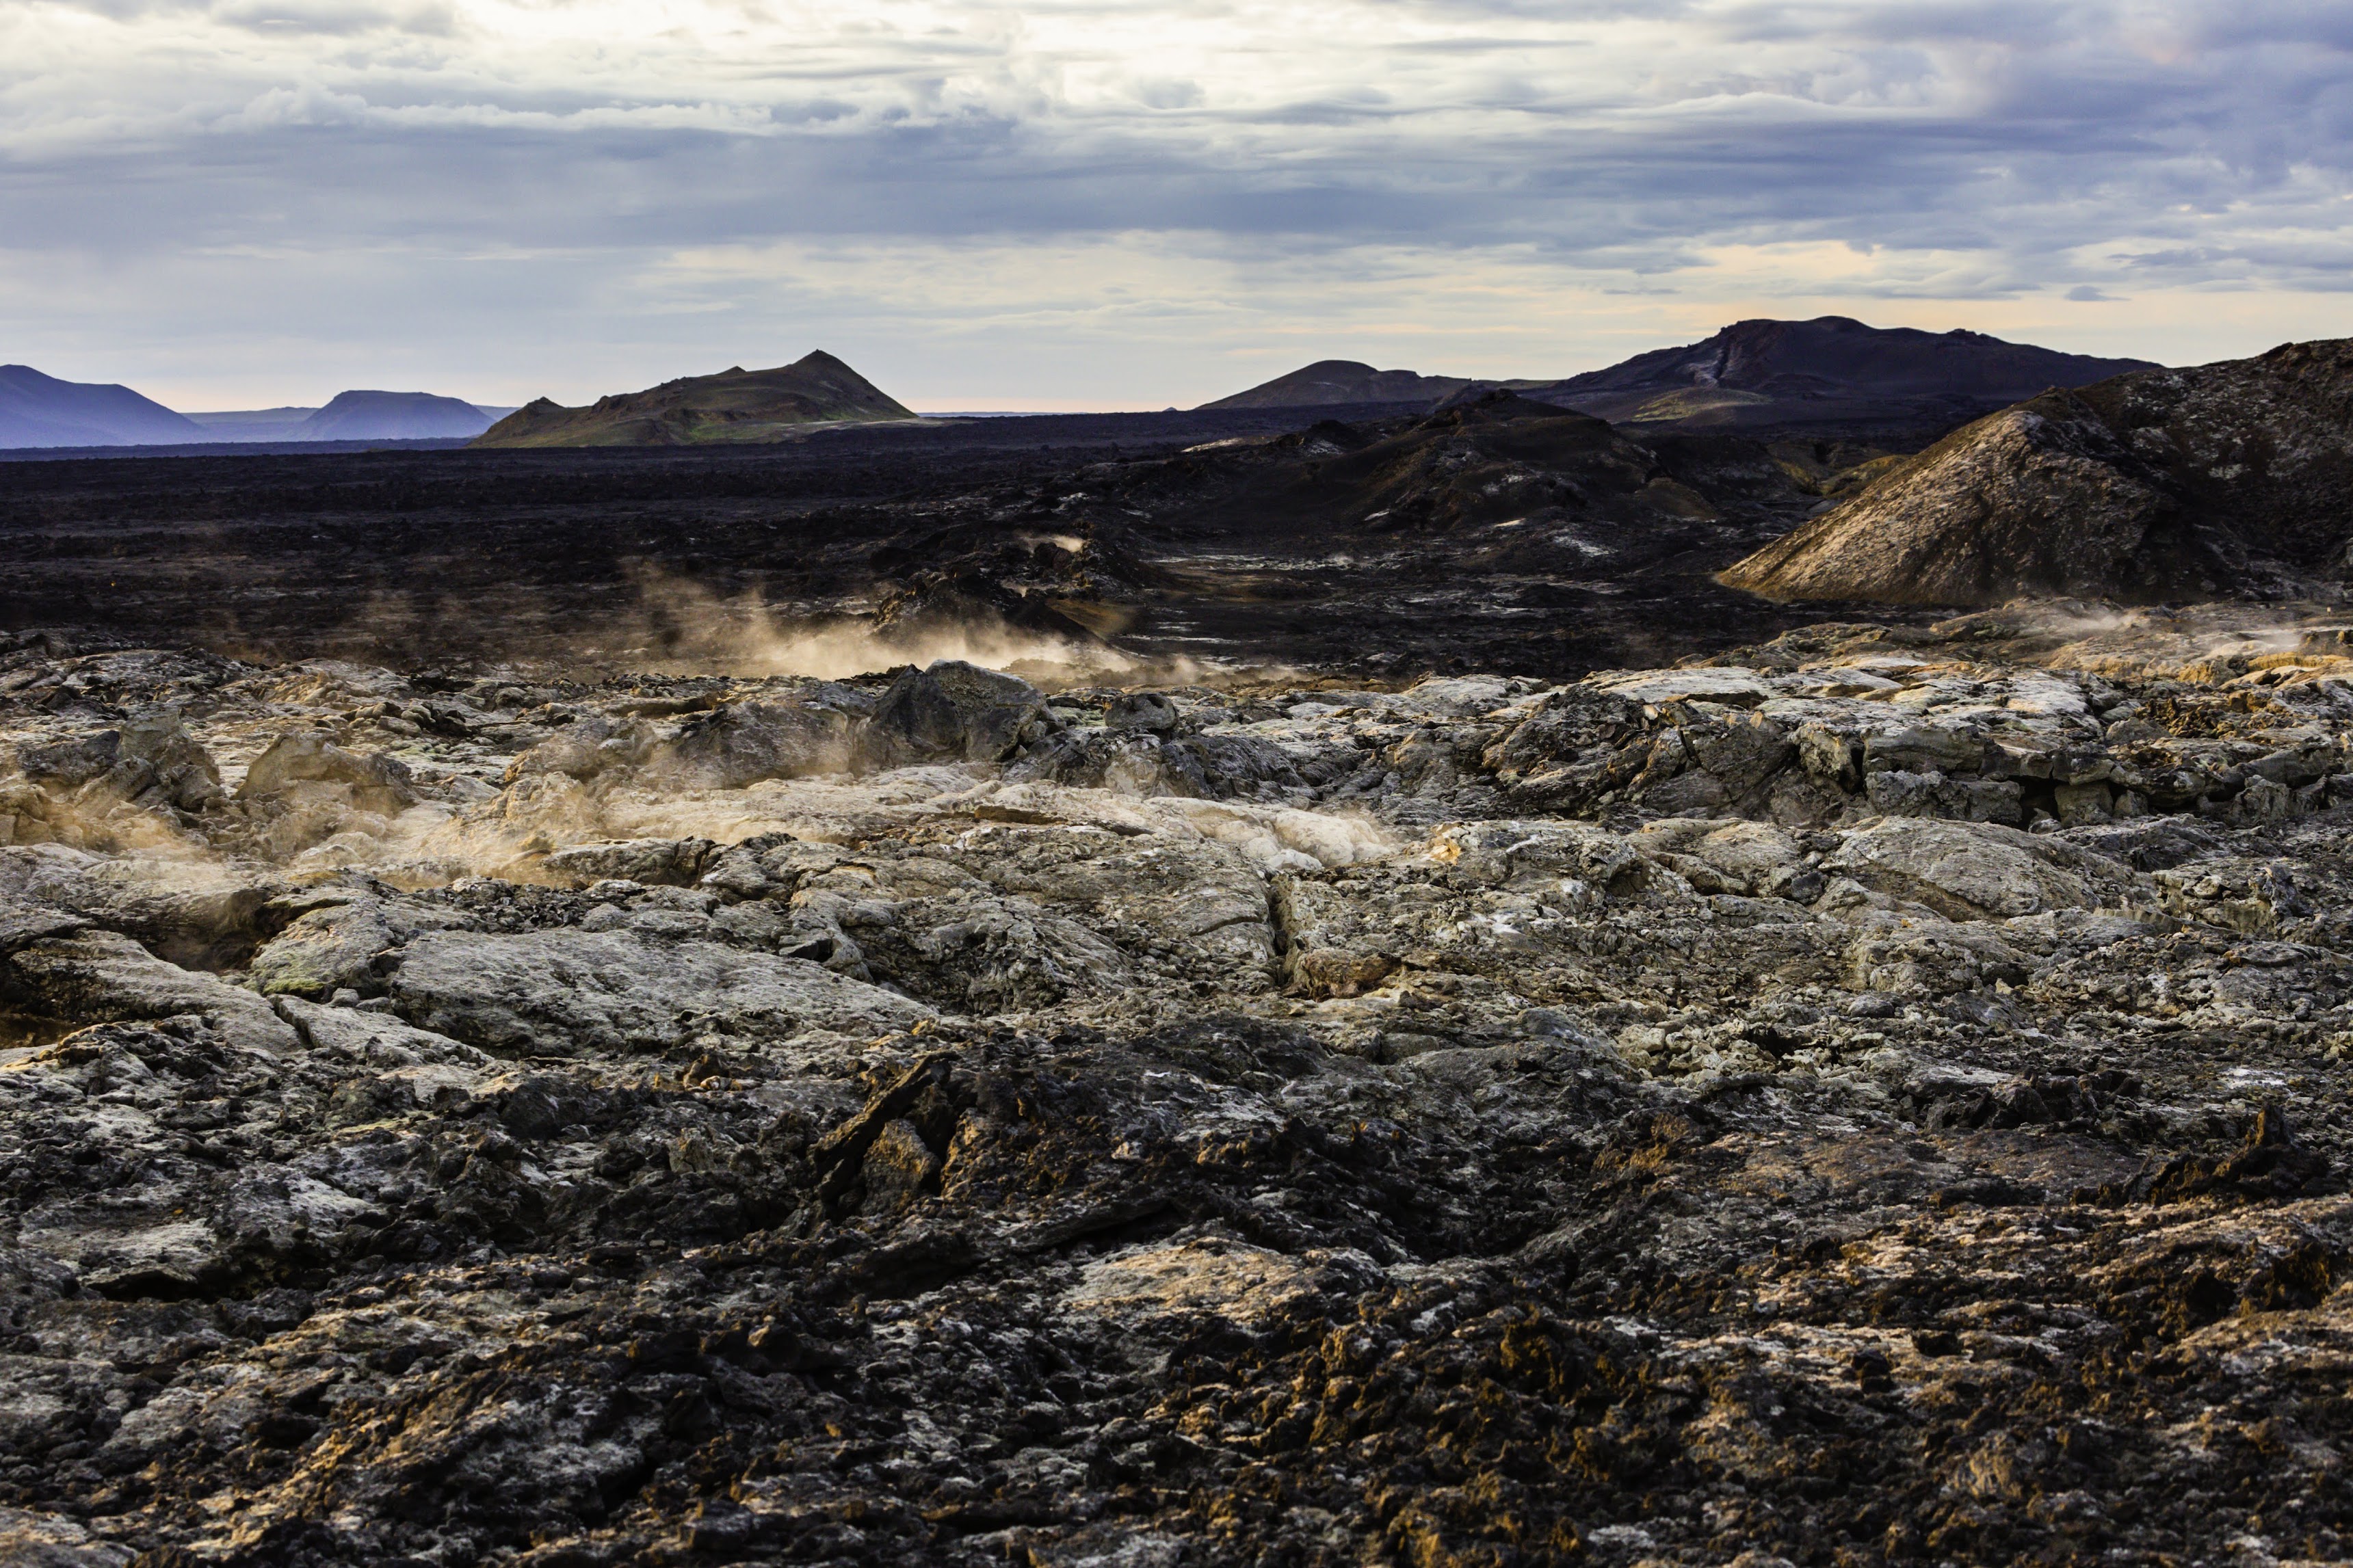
pixel 1156 992
pixel 1514 537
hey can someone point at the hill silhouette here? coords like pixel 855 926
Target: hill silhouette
pixel 734 405
pixel 2159 484
pixel 1331 382
pixel 1764 373
pixel 390 417
pixel 38 410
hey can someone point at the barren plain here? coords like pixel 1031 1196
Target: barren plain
pixel 1185 990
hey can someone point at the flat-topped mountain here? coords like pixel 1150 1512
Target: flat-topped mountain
pixel 736 404
pixel 38 410
pixel 2155 485
pixel 391 417
pixel 252 423
pixel 1331 382
pixel 1770 373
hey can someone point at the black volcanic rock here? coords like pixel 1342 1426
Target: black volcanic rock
pixel 1766 372
pixel 391 417
pixel 1218 535
pixel 38 410
pixel 2155 485
pixel 1333 381
pixel 1489 458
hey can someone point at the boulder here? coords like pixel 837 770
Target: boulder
pixel 1828 757
pixel 586 748
pixel 1145 710
pixel 566 992
pixel 377 782
pixel 380 1039
pixel 152 760
pixel 194 909
pixel 1895 792
pixel 1932 958
pixel 654 862
pixel 1976 871
pixel 183 772
pixel 1925 748
pixel 103 976
pixel 1746 856
pixel 952 713
pixel 329 950
pixel 1140 761
pixel 744 742
pixel 68 764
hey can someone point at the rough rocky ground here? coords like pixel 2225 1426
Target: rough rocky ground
pixel 1873 1096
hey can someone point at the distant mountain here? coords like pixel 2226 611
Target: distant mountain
pixel 1330 382
pixel 390 417
pixel 38 410
pixel 252 423
pixel 1772 373
pixel 736 404
pixel 443 417
pixel 2155 485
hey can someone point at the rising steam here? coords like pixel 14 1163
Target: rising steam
pixel 678 626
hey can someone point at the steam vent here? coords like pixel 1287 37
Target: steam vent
pixel 1745 960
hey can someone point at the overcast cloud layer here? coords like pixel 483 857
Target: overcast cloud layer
pixel 1099 204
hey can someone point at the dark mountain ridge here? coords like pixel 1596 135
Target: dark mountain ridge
pixel 1828 372
pixel 1759 372
pixel 38 410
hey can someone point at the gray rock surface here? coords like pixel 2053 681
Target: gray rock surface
pixel 614 993
pixel 1876 1097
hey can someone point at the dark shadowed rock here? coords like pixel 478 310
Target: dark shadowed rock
pixel 950 713
pixel 101 977
pixel 655 862
pixel 744 742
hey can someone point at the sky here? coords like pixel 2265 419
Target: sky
pixel 1100 204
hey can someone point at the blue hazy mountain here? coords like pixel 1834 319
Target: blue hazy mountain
pixel 391 417
pixel 38 410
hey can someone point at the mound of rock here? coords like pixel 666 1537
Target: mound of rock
pixel 2160 484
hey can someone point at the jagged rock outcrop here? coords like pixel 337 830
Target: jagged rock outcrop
pixel 2160 484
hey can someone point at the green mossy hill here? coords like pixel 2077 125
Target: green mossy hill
pixel 735 406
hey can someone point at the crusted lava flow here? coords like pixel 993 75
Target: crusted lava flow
pixel 1873 1095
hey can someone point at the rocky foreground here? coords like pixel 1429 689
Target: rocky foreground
pixel 1873 1097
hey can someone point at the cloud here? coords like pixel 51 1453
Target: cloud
pixel 1973 155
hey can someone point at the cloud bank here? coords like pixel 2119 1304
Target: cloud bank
pixel 1110 202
